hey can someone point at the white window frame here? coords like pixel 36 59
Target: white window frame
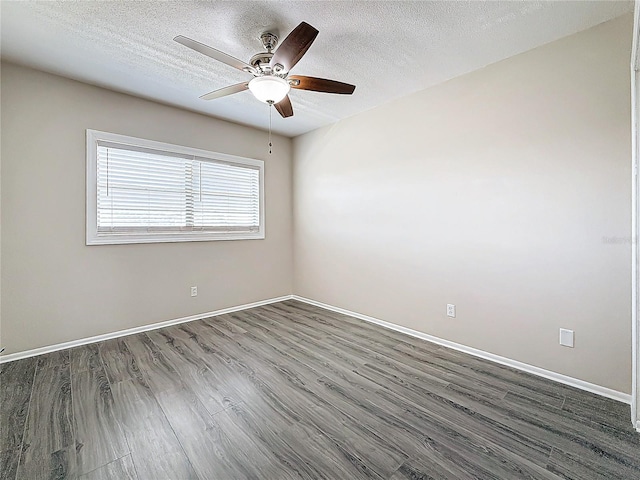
pixel 95 238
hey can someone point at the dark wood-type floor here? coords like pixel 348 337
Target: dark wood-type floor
pixel 288 391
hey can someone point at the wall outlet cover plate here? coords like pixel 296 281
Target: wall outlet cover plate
pixel 566 337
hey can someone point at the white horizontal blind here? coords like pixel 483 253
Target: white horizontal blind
pixel 141 190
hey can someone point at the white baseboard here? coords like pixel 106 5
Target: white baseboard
pixel 130 331
pixel 525 367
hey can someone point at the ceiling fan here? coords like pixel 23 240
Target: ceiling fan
pixel 270 69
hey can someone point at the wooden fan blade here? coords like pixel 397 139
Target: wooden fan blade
pixel 284 107
pixel 294 46
pixel 213 53
pixel 223 92
pixel 321 85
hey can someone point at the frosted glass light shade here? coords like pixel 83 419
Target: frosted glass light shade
pixel 269 88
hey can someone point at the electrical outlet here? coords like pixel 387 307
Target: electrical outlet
pixel 194 291
pixel 451 310
pixel 566 337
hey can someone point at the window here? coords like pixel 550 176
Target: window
pixel 141 191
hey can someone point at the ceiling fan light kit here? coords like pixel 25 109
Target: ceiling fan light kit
pixel 269 88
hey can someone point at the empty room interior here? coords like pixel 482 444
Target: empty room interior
pixel 319 240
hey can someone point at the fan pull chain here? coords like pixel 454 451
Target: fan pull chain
pixel 270 144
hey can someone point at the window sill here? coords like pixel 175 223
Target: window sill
pixel 170 238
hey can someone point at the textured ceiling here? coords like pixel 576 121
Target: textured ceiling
pixel 388 49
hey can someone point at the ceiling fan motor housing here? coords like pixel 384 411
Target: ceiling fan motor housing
pixel 261 61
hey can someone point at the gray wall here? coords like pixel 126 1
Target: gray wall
pixel 56 289
pixel 493 192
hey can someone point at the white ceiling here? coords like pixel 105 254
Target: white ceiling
pixel 388 49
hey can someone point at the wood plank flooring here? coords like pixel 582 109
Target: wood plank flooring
pixel 292 391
